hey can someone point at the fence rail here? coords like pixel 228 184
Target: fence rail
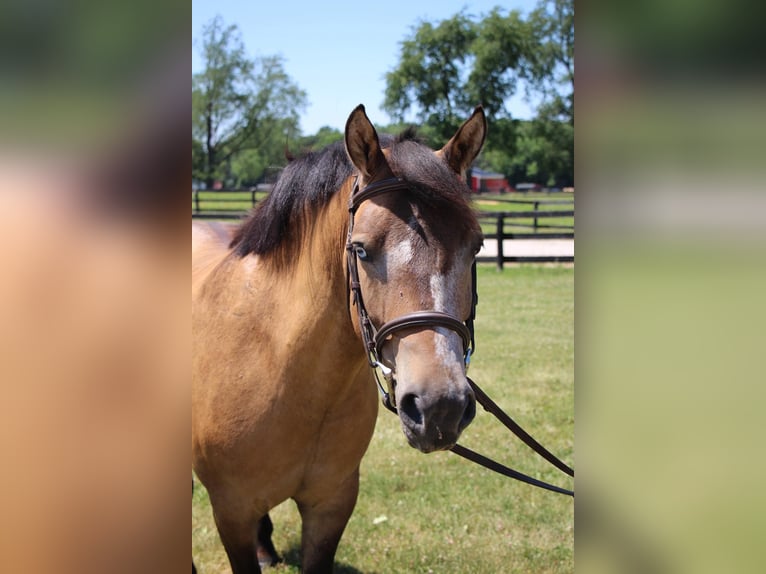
pixel 224 206
pixel 504 225
pixel 509 225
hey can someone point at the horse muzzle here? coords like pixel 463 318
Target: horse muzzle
pixel 434 422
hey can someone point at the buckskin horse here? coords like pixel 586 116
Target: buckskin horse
pixel 361 256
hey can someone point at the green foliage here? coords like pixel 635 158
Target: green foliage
pixel 198 159
pixel 324 137
pixel 552 60
pixel 430 74
pixel 246 168
pixel 270 151
pixel 445 68
pixel 239 104
pixel 544 153
pixel 501 52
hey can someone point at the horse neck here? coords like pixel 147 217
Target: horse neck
pixel 319 275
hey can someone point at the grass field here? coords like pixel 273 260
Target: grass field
pixel 439 513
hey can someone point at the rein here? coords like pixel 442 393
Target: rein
pixel 374 338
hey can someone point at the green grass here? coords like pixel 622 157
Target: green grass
pixel 445 514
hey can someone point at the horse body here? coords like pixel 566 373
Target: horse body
pixel 284 403
pixel 279 402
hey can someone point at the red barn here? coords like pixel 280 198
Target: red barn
pixel 486 181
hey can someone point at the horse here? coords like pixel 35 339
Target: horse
pixel 361 256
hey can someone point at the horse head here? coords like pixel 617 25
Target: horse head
pixel 413 238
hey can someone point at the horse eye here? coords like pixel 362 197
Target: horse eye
pixel 361 253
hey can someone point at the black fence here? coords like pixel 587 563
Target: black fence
pixel 538 223
pixel 545 219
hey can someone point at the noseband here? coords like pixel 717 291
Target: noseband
pixel 374 338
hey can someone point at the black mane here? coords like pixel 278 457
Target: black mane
pixel 308 183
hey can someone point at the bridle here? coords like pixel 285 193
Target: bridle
pixel 375 337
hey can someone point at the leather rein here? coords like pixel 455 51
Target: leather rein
pixel 374 339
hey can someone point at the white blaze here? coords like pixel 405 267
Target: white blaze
pixel 401 254
pixel 447 343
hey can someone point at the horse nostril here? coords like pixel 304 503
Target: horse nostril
pixel 409 408
pixel 468 414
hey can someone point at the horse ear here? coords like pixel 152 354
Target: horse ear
pixel 362 144
pixel 289 156
pixel 465 145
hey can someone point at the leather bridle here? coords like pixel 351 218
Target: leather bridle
pixel 374 338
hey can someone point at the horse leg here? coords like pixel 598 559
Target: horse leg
pixel 236 531
pixel 194 569
pixel 323 525
pixel 267 554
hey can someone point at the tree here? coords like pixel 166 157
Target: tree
pixel 248 167
pixel 430 76
pixel 238 103
pixel 501 54
pixel 445 68
pixel 448 67
pixel 324 137
pixel 198 158
pixel 552 73
pixel 542 153
pixel 551 67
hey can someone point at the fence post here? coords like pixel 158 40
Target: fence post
pixel 500 233
pixel 537 207
pixel 252 197
pixel 196 201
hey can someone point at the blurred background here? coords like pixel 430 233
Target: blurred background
pixel 94 327
pixel 671 241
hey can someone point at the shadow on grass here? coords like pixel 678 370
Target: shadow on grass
pixel 292 557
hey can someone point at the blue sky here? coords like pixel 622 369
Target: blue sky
pixel 338 52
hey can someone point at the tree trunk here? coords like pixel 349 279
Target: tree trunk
pixel 209 149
